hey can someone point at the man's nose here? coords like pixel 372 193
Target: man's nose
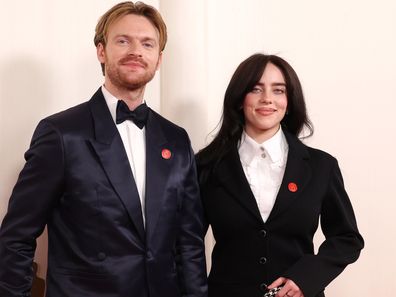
pixel 135 49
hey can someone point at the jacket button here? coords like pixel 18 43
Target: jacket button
pixel 263 260
pixel 101 256
pixel 149 255
pixel 263 287
pixel 263 233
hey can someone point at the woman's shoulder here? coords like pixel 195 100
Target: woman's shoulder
pixel 320 157
pixel 298 144
pixel 205 164
pixel 212 162
pixel 319 153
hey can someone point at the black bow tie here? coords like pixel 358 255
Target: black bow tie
pixel 139 115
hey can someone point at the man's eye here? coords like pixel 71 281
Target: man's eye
pixel 148 45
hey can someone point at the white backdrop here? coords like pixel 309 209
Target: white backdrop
pixel 343 52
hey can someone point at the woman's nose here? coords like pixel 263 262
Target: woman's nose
pixel 265 98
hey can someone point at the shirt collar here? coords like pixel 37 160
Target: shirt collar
pixel 276 148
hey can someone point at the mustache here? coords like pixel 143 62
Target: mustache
pixel 135 59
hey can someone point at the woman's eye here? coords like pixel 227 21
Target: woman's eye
pixel 279 91
pixel 256 90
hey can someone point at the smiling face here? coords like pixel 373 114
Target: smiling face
pixel 265 105
pixel 131 54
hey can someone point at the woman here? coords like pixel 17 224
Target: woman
pixel 264 191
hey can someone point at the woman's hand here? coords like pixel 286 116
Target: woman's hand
pixel 290 289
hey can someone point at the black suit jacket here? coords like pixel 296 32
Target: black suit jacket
pixel 250 254
pixel 77 180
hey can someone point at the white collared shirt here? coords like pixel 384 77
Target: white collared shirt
pixel 264 166
pixel 134 140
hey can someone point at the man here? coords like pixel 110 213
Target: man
pixel 116 189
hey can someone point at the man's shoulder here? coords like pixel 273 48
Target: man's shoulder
pixel 72 121
pixel 76 114
pixel 77 119
pixel 167 125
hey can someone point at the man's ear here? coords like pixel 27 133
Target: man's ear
pixel 100 52
pixel 159 61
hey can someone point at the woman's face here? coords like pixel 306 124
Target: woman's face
pixel 265 105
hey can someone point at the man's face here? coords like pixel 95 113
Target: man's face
pixel 132 53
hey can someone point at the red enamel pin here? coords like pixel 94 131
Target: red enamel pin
pixel 292 187
pixel 166 154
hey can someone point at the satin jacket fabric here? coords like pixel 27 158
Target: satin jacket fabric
pixel 78 182
pixel 250 254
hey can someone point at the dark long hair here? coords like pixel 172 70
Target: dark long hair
pixel 245 77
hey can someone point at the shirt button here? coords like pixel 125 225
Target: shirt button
pixel 263 260
pixel 101 256
pixel 263 233
pixel 263 155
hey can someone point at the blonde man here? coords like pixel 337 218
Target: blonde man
pixel 114 182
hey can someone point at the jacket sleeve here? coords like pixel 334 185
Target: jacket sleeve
pixel 36 190
pixel 342 245
pixel 190 244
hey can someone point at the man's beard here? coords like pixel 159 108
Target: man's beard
pixel 128 81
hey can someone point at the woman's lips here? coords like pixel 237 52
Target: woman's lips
pixel 265 110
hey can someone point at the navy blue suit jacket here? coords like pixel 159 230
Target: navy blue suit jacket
pixel 77 180
pixel 250 253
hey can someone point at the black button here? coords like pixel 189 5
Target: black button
pixel 263 233
pixel 101 256
pixel 149 255
pixel 263 287
pixel 263 260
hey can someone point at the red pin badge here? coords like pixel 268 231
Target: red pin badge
pixel 166 154
pixel 292 187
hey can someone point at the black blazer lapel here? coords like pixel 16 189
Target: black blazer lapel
pixel 297 172
pixel 111 152
pixel 157 171
pixel 232 177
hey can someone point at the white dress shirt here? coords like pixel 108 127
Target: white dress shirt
pixel 134 140
pixel 264 166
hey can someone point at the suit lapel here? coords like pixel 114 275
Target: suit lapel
pixel 231 175
pixel 157 171
pixel 297 172
pixel 111 152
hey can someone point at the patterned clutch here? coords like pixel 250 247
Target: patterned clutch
pixel 272 292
